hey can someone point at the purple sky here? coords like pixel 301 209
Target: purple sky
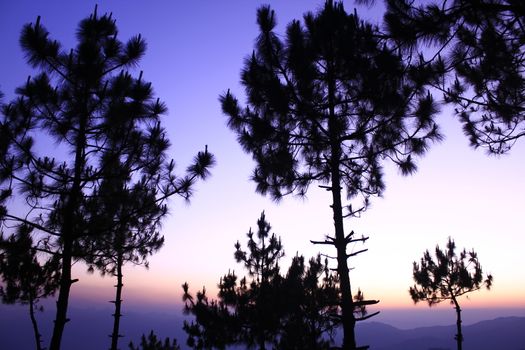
pixel 195 52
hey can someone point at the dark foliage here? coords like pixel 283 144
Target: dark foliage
pixel 152 343
pixel 327 104
pixel 266 309
pixel 312 303
pixel 447 278
pixel 130 209
pixel 477 62
pixel 25 279
pixel 107 193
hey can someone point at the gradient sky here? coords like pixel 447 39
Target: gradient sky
pixel 195 52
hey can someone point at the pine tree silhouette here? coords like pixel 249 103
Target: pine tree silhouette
pixel 152 343
pixel 25 279
pixel 266 309
pixel 326 105
pixel 99 116
pixel 447 278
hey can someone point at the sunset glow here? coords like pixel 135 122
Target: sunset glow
pixel 195 53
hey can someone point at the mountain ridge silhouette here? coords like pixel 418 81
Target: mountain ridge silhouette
pixel 499 333
pixel 89 329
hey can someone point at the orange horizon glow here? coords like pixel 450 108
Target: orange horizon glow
pixel 145 288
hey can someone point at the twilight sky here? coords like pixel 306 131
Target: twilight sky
pixel 195 52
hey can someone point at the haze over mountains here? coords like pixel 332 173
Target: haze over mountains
pixel 90 328
pixel 502 333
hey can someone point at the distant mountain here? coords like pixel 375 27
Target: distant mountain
pixel 506 333
pixel 89 329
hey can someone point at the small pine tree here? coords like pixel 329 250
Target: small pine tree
pixel 311 292
pixel 448 277
pixel 152 343
pixel 26 279
pixel 266 309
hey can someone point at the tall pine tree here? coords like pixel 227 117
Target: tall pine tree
pixel 98 115
pixel 327 104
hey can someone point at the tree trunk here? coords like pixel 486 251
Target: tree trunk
pixel 118 303
pixel 63 296
pixel 347 303
pixel 38 336
pixel 68 235
pixel 459 335
pixel 262 327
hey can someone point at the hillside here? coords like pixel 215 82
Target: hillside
pixel 89 330
pixel 502 333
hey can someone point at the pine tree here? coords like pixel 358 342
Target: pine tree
pixel 130 210
pixel 266 309
pixel 98 115
pixel 152 343
pixel 477 61
pixel 260 317
pixel 256 302
pixel 214 325
pixel 326 105
pixel 25 279
pixel 447 278
pixel 312 296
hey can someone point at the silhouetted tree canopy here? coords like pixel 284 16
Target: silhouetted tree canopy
pixel 474 55
pixel 266 310
pixel 24 278
pixel 130 213
pixel 312 305
pixel 88 105
pixel 327 103
pixel 130 210
pixel 152 343
pixel 448 277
